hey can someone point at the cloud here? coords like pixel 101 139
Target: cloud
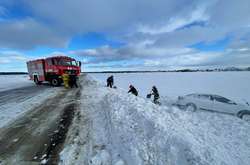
pixel 230 14
pixel 121 18
pixel 12 56
pixel 118 17
pixel 157 33
pixel 153 57
pixel 174 23
pixel 4 60
pixel 28 34
pixel 2 10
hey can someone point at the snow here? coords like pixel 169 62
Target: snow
pixel 113 127
pixel 233 85
pixel 44 161
pixel 14 81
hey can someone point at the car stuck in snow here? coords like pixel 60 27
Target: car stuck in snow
pixel 215 103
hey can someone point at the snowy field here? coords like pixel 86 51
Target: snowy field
pixel 116 128
pixel 233 85
pixel 14 81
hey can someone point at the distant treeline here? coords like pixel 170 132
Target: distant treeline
pixel 12 73
pixel 180 70
pixel 126 71
pixel 149 71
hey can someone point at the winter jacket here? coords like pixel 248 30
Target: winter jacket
pixel 110 79
pixel 133 91
pixel 155 92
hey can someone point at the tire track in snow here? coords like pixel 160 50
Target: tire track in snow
pixel 29 137
pixel 21 94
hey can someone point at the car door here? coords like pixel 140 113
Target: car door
pixel 224 105
pixel 205 102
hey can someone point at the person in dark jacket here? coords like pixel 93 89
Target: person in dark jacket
pixel 133 90
pixel 156 95
pixel 110 81
pixel 73 81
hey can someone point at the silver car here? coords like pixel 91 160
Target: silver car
pixel 216 103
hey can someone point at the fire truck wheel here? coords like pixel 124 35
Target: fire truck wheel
pixel 55 82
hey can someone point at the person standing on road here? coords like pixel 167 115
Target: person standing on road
pixel 133 90
pixel 65 78
pixel 73 80
pixel 110 81
pixel 156 95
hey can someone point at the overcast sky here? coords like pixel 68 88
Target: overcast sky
pixel 126 34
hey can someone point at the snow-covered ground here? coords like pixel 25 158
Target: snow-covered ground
pixel 113 127
pixel 14 81
pixel 233 85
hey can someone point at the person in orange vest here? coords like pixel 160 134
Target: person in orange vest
pixel 65 77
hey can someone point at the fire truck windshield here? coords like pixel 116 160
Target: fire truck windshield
pixel 66 62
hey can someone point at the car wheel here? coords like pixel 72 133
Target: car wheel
pixel 245 115
pixel 191 107
pixel 55 82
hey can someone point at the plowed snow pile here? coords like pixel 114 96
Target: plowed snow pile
pixel 113 127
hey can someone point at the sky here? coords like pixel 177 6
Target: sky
pixel 126 34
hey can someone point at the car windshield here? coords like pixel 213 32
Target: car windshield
pixel 66 62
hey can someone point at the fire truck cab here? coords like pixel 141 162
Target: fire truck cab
pixel 51 69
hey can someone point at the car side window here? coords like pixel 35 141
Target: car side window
pixel 205 97
pixel 195 96
pixel 190 95
pixel 222 100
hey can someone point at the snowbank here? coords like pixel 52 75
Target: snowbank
pixel 114 127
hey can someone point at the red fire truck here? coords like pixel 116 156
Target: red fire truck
pixel 51 69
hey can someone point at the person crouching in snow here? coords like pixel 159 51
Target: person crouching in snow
pixel 156 95
pixel 133 90
pixel 110 81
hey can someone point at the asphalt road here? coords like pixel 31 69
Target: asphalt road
pixel 38 134
pixel 21 94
